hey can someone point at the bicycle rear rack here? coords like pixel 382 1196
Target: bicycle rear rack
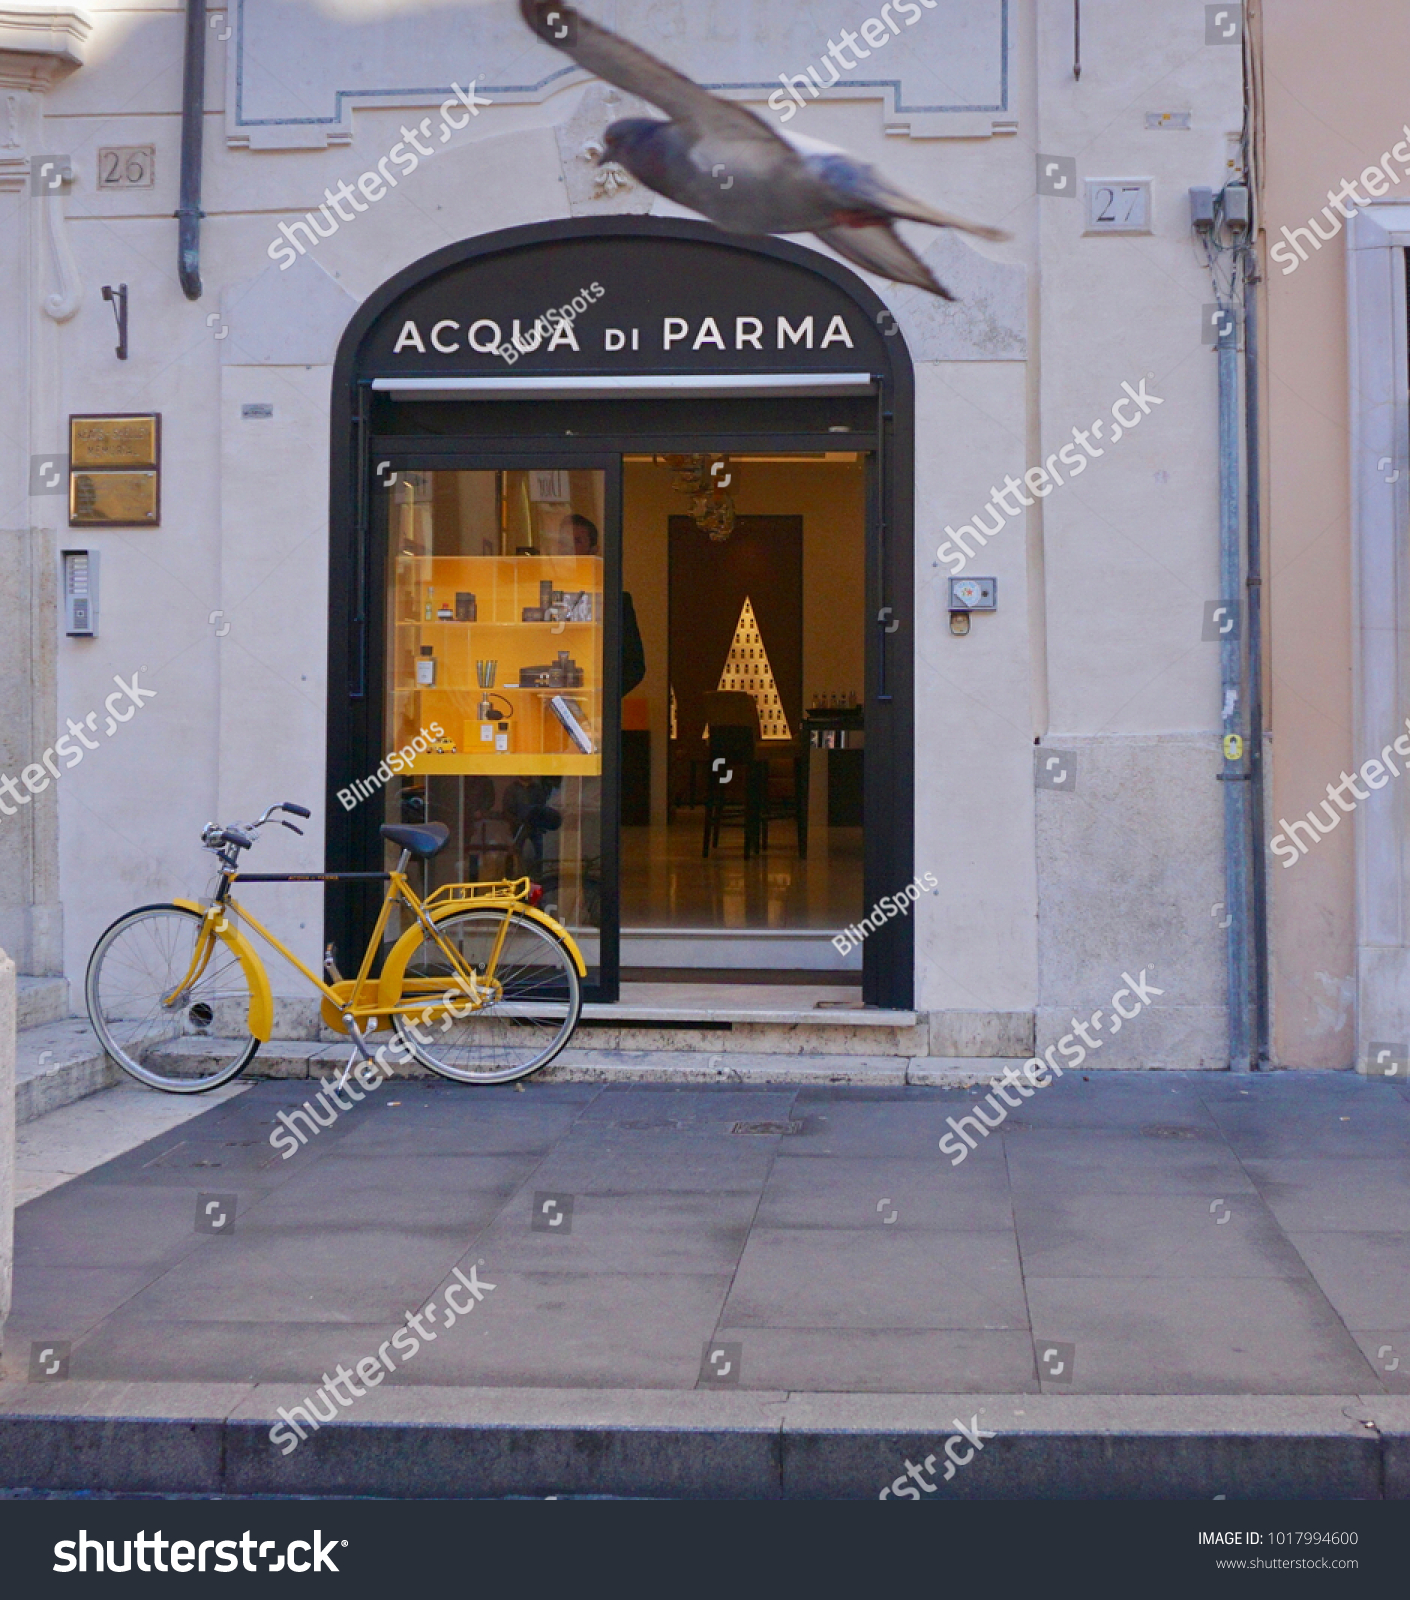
pixel 500 891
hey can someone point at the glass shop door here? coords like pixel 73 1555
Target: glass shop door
pixel 498 602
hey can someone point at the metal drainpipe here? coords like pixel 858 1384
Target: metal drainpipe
pixel 193 110
pixel 1231 685
pixel 1253 584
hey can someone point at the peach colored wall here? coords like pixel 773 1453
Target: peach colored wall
pixel 1334 99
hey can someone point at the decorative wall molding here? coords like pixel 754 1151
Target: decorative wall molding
pixel 595 191
pixel 986 321
pixel 945 73
pixel 61 303
pixel 40 44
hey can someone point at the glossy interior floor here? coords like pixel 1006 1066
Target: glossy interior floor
pixel 666 883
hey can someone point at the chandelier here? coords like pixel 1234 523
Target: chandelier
pixel 705 477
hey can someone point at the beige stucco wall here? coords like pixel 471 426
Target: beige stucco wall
pixel 1334 87
pixel 1094 647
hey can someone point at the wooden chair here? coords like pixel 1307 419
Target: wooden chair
pixel 733 786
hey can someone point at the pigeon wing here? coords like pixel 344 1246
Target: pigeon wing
pixel 609 56
pixel 880 249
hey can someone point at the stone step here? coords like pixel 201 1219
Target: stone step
pixel 40 1000
pixel 56 1064
pixel 695 1063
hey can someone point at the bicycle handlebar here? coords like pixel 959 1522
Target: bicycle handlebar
pixel 230 839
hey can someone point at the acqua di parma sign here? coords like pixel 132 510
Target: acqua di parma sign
pixel 632 303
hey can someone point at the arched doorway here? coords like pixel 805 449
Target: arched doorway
pixel 493 406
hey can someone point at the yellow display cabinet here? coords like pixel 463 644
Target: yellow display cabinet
pixel 460 621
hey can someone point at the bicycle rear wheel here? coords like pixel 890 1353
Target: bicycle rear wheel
pixel 528 1022
pixel 180 1039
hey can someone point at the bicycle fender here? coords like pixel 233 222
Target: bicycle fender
pixel 261 999
pixel 394 968
pixel 535 915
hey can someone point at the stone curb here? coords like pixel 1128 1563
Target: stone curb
pixel 406 1441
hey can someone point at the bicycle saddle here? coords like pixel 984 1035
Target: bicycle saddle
pixel 424 841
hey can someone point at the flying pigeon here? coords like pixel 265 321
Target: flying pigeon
pixel 721 160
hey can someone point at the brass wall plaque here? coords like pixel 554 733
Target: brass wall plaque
pixel 115 441
pixel 114 499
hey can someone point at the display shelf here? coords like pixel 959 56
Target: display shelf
pixel 503 588
pixel 519 763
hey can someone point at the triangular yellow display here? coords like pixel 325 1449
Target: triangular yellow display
pixel 747 667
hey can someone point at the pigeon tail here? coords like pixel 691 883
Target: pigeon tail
pixel 860 187
pixel 918 211
pixel 880 249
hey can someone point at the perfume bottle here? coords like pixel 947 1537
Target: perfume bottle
pixel 430 604
pixel 426 667
pixel 445 614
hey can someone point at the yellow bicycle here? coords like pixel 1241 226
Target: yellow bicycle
pixel 481 987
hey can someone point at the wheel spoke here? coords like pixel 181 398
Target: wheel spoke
pixel 200 1040
pixel 527 1023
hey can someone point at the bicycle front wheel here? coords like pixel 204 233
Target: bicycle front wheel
pixel 168 1026
pixel 531 1017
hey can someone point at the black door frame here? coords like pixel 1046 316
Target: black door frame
pixel 360 459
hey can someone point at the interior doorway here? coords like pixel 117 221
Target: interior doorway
pixel 743 742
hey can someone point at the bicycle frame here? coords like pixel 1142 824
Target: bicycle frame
pixel 349 1004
